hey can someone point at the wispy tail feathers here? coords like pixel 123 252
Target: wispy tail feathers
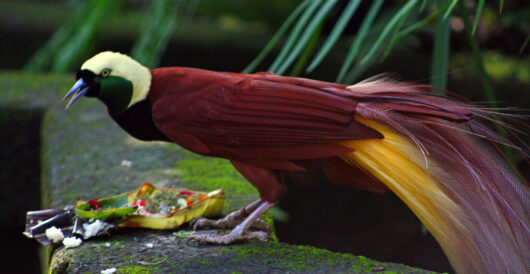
pixel 438 158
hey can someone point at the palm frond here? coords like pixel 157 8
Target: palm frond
pixel 302 21
pixel 274 40
pixel 389 27
pixel 304 38
pixel 359 39
pixel 343 20
pixel 480 6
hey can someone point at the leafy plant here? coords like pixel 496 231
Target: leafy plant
pixel 155 32
pixel 376 38
pixel 72 41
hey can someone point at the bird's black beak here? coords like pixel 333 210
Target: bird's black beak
pixel 80 88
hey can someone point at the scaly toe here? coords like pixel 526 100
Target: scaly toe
pixel 248 236
pixel 261 225
pixel 201 223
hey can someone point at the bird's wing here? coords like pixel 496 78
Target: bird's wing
pixel 260 116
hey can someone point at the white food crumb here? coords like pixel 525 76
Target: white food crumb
pixel 213 193
pixel 108 270
pixel 71 242
pixel 92 229
pixel 54 234
pixel 182 203
pixel 149 245
pixel 126 163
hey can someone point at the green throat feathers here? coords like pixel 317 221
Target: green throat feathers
pixel 116 93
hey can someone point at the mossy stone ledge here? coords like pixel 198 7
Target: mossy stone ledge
pixel 81 155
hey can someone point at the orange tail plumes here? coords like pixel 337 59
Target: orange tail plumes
pixel 439 160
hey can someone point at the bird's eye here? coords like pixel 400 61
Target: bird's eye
pixel 105 72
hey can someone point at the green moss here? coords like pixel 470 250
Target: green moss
pixel 59 264
pixel 206 173
pixel 205 262
pixel 69 196
pixel 128 258
pixel 135 269
pixel 363 265
pixel 306 258
pixel 299 258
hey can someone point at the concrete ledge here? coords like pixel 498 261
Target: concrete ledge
pixel 81 156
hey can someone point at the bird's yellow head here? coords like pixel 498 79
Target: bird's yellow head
pixel 116 79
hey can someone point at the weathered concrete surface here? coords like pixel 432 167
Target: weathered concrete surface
pixel 82 150
pixel 127 251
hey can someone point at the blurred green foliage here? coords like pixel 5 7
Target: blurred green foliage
pixel 155 32
pixel 73 40
pixel 300 44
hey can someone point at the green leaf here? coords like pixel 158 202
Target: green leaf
pixel 440 56
pixel 155 32
pixel 85 35
pixel 480 5
pixel 361 35
pixel 450 9
pixel 416 26
pixel 302 21
pixel 274 40
pixel 304 57
pixel 335 33
pixel 391 24
pixel 423 5
pixel 45 56
pixel 313 25
pixel 396 31
pixel 113 207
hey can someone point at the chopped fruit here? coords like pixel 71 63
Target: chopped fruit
pixel 94 204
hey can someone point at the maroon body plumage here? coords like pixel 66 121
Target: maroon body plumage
pixel 261 122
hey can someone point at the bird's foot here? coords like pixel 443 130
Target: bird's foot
pixel 233 237
pixel 228 222
pixel 239 233
pixel 232 220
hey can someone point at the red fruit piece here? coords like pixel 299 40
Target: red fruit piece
pixel 185 192
pixel 189 201
pixel 94 204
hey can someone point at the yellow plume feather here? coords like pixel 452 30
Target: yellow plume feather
pixel 399 164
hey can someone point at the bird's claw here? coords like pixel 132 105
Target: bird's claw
pixel 228 222
pixel 232 237
pixel 200 223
